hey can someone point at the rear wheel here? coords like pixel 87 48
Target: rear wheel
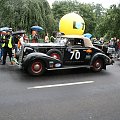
pixel 36 68
pixel 97 65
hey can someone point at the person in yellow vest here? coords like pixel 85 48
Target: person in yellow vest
pixel 8 45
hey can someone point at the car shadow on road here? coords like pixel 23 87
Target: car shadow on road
pixel 118 63
pixel 54 75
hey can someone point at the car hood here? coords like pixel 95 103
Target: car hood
pixel 97 48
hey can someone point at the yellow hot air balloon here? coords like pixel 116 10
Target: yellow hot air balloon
pixel 72 24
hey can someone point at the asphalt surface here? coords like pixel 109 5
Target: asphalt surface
pixel 98 100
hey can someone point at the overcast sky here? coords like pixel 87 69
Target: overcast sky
pixel 105 3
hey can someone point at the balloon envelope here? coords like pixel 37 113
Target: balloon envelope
pixel 72 24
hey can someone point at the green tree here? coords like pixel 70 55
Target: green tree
pixel 22 14
pixel 109 24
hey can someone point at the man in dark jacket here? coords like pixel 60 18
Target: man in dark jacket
pixel 2 34
pixel 8 45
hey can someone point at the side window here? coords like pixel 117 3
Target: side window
pixel 70 42
pixel 75 42
pixel 78 42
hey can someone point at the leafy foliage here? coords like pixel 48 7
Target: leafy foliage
pixel 99 21
pixel 109 24
pixel 22 14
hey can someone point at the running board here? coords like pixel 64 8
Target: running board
pixel 70 67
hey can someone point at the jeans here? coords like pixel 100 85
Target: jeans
pixel 9 52
pixel 1 53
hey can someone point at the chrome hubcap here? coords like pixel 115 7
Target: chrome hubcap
pixel 36 67
pixel 97 64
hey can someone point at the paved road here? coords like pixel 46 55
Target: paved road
pixel 71 95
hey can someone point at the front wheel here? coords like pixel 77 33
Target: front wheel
pixel 36 68
pixel 97 65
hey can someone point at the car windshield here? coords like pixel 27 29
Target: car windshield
pixel 61 41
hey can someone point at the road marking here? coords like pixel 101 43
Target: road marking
pixel 60 85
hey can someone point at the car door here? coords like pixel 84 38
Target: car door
pixel 75 52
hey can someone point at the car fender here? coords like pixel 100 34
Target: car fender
pixel 105 58
pixel 40 56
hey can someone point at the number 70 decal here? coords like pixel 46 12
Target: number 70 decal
pixel 76 54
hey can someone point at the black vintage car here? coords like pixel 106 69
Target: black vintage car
pixel 68 51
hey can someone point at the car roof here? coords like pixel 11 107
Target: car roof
pixel 72 36
pixel 87 41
